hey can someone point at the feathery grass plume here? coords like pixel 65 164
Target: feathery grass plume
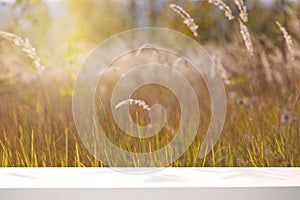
pixel 243 10
pixel 188 20
pixel 246 37
pixel 140 103
pixel 221 70
pixel 145 46
pixel 288 39
pixel 26 47
pixel 266 66
pixel 224 7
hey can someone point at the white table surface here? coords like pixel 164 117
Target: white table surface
pixel 155 178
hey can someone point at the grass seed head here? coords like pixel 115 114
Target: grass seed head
pixel 243 10
pixel 187 19
pixel 222 6
pixel 246 37
pixel 137 102
pixel 25 46
pixel 288 39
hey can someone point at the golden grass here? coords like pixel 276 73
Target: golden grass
pixel 261 128
pixel 35 134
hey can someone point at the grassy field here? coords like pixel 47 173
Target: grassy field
pixel 261 128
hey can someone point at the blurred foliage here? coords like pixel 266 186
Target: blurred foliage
pixel 100 19
pixel 97 20
pixel 30 17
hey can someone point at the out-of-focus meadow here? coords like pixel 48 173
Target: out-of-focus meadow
pixel 261 128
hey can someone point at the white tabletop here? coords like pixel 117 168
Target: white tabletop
pixel 148 178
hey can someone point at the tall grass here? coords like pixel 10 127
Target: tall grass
pixel 261 128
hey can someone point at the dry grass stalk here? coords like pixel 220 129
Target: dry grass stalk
pixel 266 66
pixel 221 70
pixel 224 7
pixel 288 40
pixel 187 19
pixel 246 37
pixel 140 103
pixel 243 10
pixel 25 46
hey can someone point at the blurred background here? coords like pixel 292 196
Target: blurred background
pixel 36 124
pixel 67 30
